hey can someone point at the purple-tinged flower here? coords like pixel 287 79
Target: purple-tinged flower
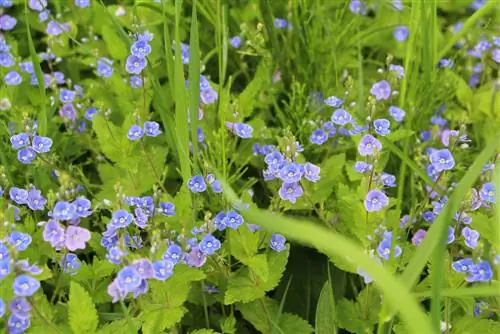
pixel 17 325
pixel 219 222
pixel 63 211
pixel 197 184
pixel 152 129
pixel 7 22
pixel 115 255
pixel 418 237
pixel 185 54
pixel 70 264
pixel 382 126
pixel 330 128
pixel 277 242
pixel 446 63
pixel 121 218
pixel 480 272
pixel 446 134
pixel 135 65
pixel 35 199
pixel 381 90
pixel 341 117
pixel 235 42
pixel 4 252
pixel 233 219
pixel 18 195
pixel 241 130
pixel 400 70
pixel 163 269
pixel 54 233
pixel 401 33
pixel 471 237
pixel 128 279
pixel 290 191
pixel 68 111
pixel 140 49
pixel 20 140
pixel 388 180
pixel 479 307
pixel 55 29
pixel 37 5
pixel 173 253
pixel 254 227
pixel 451 235
pixel 104 67
pixel 167 209
pixel 6 60
pixel 357 7
pixel 462 217
pixel 41 144
pixel 136 81
pixel 274 158
pixel 384 249
pixel 82 206
pixel 462 265
pixel 195 258
pixel 291 172
pixel 20 307
pixel 362 167
pixel 475 202
pixel 487 192
pixel 82 3
pixel 375 200
pixel 135 132
pixel 369 145
pixel 90 113
pixel 144 267
pixel 209 244
pixel 217 187
pixel 76 237
pixel 66 95
pixel 5 268
pixel 311 172
pixel 334 102
pixel 24 265
pixel 115 292
pixel 495 55
pixel 25 286
pixel 439 121
pixel 141 219
pixel 318 137
pixel 442 160
pixel 19 240
pixel 280 23
pixel 13 78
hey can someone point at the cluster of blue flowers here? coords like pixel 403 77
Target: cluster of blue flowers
pixel 197 184
pixel 28 145
pixel 137 60
pixel 24 284
pixel 151 129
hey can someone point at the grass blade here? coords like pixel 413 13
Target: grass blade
pixel 194 83
pixel 325 311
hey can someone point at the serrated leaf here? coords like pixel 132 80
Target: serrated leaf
pixel 162 318
pixel 470 325
pixel 119 326
pixel 115 45
pixel 331 174
pixel 112 140
pixel 81 310
pixel 204 331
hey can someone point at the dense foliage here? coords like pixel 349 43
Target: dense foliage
pixel 249 166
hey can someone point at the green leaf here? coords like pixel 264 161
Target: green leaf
pixel 331 174
pixel 119 326
pixel 325 311
pixel 469 325
pixel 115 45
pixel 163 317
pixel 81 310
pixel 204 331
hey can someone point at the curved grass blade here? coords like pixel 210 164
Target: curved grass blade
pixel 335 244
pixel 492 290
pixel 194 83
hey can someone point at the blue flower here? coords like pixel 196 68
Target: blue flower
pixel 5 268
pixel 451 235
pixel 20 240
pixel 357 7
pixel 152 129
pixel 209 244
pixel 330 128
pixel 462 265
pixel 17 325
pixel 4 252
pixel 173 253
pixel 480 272
pixel 135 132
pixel 362 167
pixel 12 78
pixel 311 172
pixel 233 219
pixel 280 23
pixel 167 209
pixel 82 207
pixel 291 172
pixel 217 187
pixel 290 191
pixel 70 264
pixel 384 249
pixel 318 137
pixel 401 33
pixel 471 237
pixel 66 95
pixel 369 145
pixel 382 126
pixel 140 49
pixel 35 200
pixel 219 222
pixel 163 269
pixel 37 5
pixel 18 195
pixel 341 117
pixel 26 155
pixel 274 158
pixel 442 160
pixel 334 102
pixel 241 130
pixel 135 65
pixel 121 218
pixel 2 307
pixel 115 254
pixel 136 81
pixel 128 279
pixel 25 286
pixel 6 60
pixel 20 307
pixel 487 192
pixel 197 184
pixel 381 90
pixel 41 144
pixel 277 242
pixel 82 3
pixel 235 42
pixel 104 67
pixel 144 267
pixel 7 22
pixel 400 70
pixel 375 200
pixel 63 211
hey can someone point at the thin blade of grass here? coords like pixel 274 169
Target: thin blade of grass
pixel 492 290
pixel 325 310
pixel 282 303
pixel 335 244
pixel 194 82
pixel 43 117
